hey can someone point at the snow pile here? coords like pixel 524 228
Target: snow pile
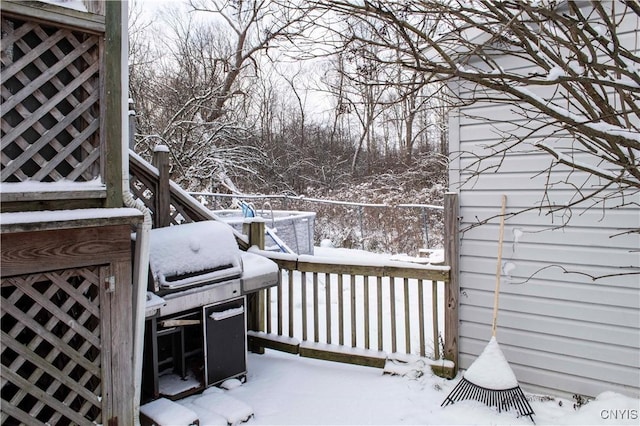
pixel 50 216
pixel 63 185
pixel 326 243
pixel 434 257
pixel 214 404
pixel 230 384
pixel 165 412
pixel 555 73
pixel 607 408
pixel 491 369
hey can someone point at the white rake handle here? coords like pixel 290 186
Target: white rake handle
pixel 498 268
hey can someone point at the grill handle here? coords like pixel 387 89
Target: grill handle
pixel 229 313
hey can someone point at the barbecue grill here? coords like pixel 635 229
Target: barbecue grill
pixel 196 326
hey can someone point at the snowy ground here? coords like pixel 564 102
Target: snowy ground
pixel 283 389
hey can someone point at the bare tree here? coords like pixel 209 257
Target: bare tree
pixel 195 96
pixel 411 103
pixel 390 103
pixel 591 120
pixel 256 26
pixel 360 91
pixel 175 96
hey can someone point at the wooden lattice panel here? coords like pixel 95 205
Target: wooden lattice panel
pixel 142 189
pixel 50 103
pixel 144 184
pixel 51 370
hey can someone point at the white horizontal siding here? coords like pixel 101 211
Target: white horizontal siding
pixel 605 334
pixel 548 304
pixel 581 330
pixel 561 331
pixel 573 257
pixel 573 236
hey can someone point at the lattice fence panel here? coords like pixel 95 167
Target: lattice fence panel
pixel 50 103
pixel 51 370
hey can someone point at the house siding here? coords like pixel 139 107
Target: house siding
pixel 562 332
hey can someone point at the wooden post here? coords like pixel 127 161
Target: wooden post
pixel 379 311
pixel 452 289
pixel 327 298
pixel 254 229
pixel 162 212
pixel 421 316
pixel 365 308
pixel 111 105
pixel 256 301
pixel 392 302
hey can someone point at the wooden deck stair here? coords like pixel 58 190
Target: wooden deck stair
pixel 170 204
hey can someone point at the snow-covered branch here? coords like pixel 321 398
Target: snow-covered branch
pixel 573 79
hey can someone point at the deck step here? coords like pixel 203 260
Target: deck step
pixel 164 412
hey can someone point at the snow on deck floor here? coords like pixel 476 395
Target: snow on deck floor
pixel 284 389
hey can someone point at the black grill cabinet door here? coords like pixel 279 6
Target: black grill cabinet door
pixel 225 341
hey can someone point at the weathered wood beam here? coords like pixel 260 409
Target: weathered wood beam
pixel 256 300
pixel 452 289
pixel 48 13
pixel 111 81
pixel 30 252
pixel 161 217
pixel 271 341
pixel 374 271
pixel 345 355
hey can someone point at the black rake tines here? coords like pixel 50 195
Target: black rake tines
pixel 503 399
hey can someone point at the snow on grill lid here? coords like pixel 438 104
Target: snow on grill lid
pixel 191 247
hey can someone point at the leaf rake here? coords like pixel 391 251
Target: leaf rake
pixel 489 379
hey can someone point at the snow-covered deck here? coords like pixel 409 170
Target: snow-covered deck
pixel 284 389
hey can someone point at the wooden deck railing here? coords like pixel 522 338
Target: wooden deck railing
pixel 354 311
